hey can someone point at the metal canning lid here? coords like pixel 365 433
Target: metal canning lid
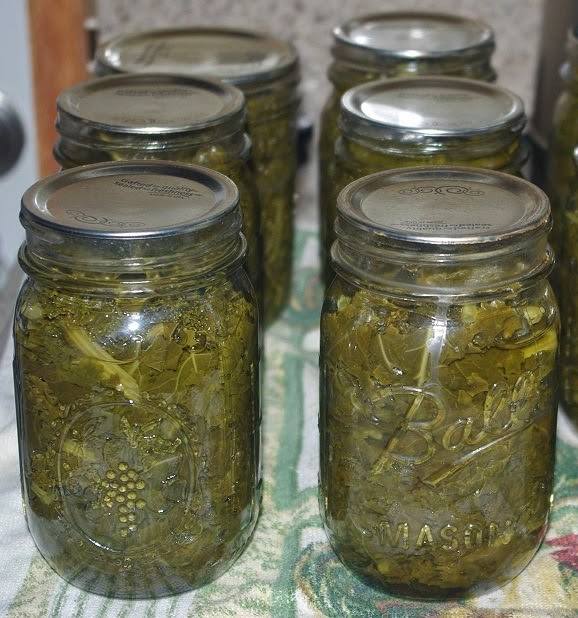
pixel 415 109
pixel 137 200
pixel 411 36
pixel 457 208
pixel 166 107
pixel 240 57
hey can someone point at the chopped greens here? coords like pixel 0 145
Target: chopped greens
pixel 272 127
pixel 437 427
pixel 139 421
pixel 567 280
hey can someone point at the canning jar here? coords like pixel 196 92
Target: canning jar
pixel 439 339
pixel 568 298
pixel 136 377
pixel 423 121
pixel 398 44
pixel 266 70
pixel 169 117
pixel 560 167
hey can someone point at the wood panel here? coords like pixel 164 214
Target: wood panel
pixel 58 44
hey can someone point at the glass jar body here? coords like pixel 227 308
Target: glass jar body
pixel 566 281
pixel 353 160
pixel 139 427
pixel 437 426
pixel 230 156
pixel 560 176
pixel 272 124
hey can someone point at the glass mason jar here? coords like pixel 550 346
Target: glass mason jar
pixel 170 117
pixel 136 377
pixel 560 169
pixel 424 121
pixel 439 340
pixel 568 298
pixel 397 44
pixel 266 70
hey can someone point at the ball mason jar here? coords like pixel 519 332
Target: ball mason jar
pixel 568 297
pixel 266 70
pixel 136 377
pixel 439 339
pixel 423 121
pixel 169 117
pixel 560 168
pixel 397 44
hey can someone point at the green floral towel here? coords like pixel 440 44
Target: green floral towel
pixel 288 569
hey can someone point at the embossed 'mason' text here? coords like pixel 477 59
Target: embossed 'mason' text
pixel 447 537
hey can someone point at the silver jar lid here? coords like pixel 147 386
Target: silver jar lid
pixel 171 108
pixel 430 109
pixel 402 36
pixel 453 208
pixel 125 213
pixel 244 58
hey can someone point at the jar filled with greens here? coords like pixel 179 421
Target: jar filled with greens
pixel 136 377
pixel 266 70
pixel 423 121
pixel 397 44
pixel 169 117
pixel 439 340
pixel 567 278
pixel 560 170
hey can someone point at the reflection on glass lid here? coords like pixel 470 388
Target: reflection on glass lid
pixel 150 103
pixel 233 55
pixel 441 205
pixel 138 199
pixel 414 35
pixel 430 106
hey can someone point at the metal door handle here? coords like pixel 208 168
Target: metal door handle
pixel 11 135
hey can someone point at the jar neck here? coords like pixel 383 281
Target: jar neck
pixel 501 151
pixel 153 278
pixel 406 273
pixel 285 83
pixel 101 266
pixel 200 148
pixel 345 75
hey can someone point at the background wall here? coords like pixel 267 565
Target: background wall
pixel 308 24
pixel 16 84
